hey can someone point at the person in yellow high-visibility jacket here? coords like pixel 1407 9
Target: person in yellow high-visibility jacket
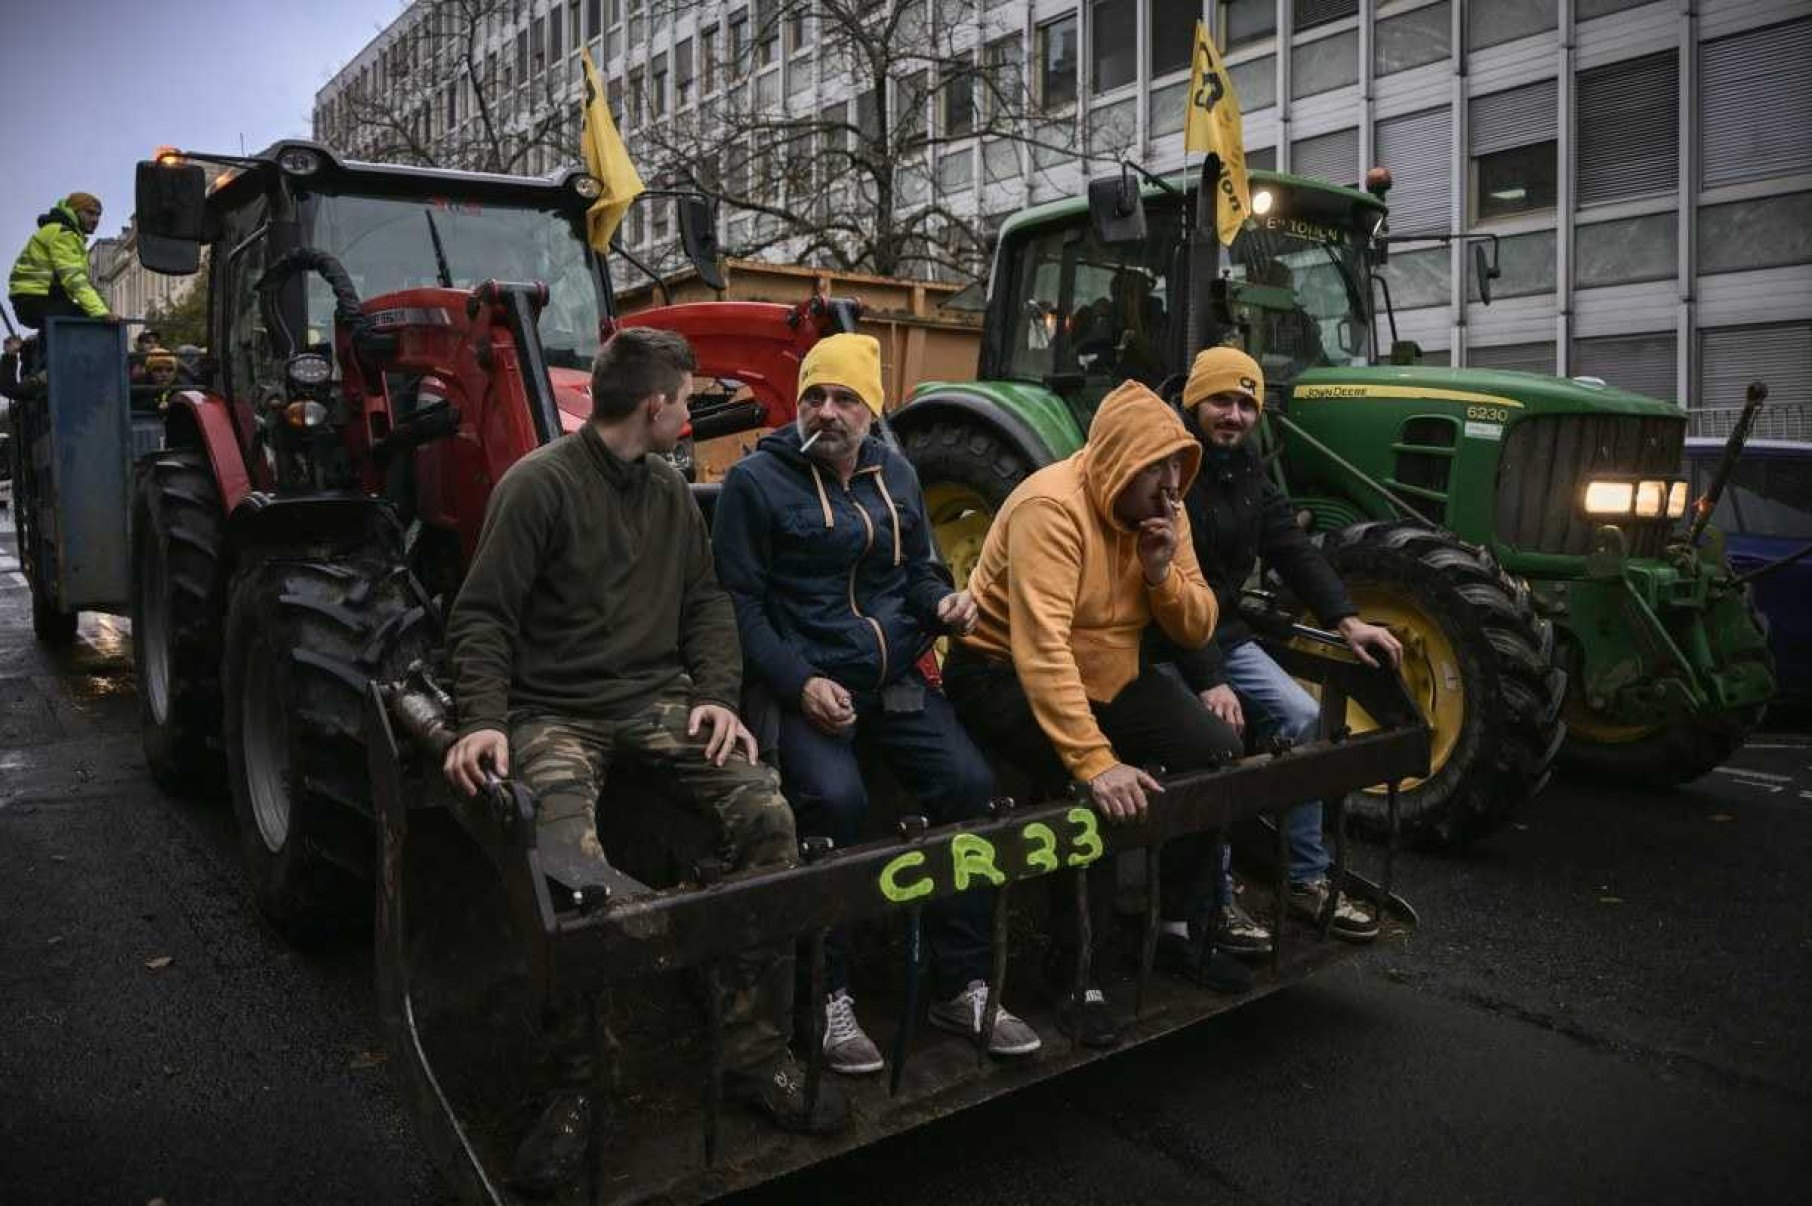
pixel 50 277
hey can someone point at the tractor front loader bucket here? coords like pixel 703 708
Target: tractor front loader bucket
pixel 479 929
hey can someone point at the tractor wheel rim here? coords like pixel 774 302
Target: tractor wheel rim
pixel 1431 672
pixel 154 618
pixel 959 519
pixel 265 734
pixel 1585 726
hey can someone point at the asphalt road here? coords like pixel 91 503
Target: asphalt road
pixel 1604 1004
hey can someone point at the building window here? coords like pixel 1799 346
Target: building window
pixel 1522 357
pixel 554 32
pixel 1756 89
pixel 1621 253
pixel 1769 232
pixel 739 44
pixel 798 30
pixel 767 33
pixel 1489 24
pixel 1641 364
pixel 955 172
pixel 1166 111
pixel 538 46
pixel 1324 64
pixel 1003 89
pixel 637 96
pixel 594 19
pixel 1629 129
pixel 1307 14
pixel 1113 37
pixel 657 86
pixel 1111 128
pixel 1525 267
pixel 909 95
pixel 1255 83
pixel 1171 35
pixel 707 59
pixel 1585 10
pixel 1731 357
pixel 1418 150
pixel 1056 50
pixel 1332 157
pixel 1247 21
pixel 958 98
pixel 1513 151
pixel 1423 35
pixel 682 74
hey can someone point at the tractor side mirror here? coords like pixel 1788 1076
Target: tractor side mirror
pixel 1116 211
pixel 1485 271
pixel 1405 351
pixel 170 199
pixel 698 235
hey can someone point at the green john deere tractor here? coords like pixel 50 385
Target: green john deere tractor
pixel 1519 532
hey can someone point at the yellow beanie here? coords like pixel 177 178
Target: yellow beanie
pixel 82 201
pixel 852 361
pixel 1223 370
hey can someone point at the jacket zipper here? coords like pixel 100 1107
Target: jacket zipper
pixel 868 526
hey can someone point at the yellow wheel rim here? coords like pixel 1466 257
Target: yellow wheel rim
pixel 1431 672
pixel 960 519
pixel 1582 725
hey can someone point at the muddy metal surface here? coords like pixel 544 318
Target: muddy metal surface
pixel 1605 1004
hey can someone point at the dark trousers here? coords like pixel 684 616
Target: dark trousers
pixel 34 311
pixel 936 761
pixel 1153 722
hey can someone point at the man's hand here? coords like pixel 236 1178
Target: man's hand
pixel 1157 546
pixel 727 731
pixel 1119 791
pixel 1368 639
pixel 466 760
pixel 957 612
pixel 1223 702
pixel 827 705
pixel 110 316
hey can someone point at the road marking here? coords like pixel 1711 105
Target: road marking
pixel 1754 774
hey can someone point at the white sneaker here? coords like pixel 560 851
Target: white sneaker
pixel 846 1048
pixel 963 1015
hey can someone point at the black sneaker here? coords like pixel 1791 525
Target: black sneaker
pixel 1236 933
pixel 1088 1021
pixel 552 1154
pixel 1181 957
pixel 776 1090
pixel 1350 921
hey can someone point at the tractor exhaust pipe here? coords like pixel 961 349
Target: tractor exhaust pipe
pixel 1733 449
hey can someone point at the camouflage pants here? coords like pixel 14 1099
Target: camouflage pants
pixel 565 760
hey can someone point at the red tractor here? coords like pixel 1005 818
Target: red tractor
pixel 386 342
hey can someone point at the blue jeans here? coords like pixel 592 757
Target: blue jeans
pixel 1273 703
pixel 935 760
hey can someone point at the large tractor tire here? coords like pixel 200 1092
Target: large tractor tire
pixel 178 604
pixel 966 472
pixel 1658 756
pixel 303 639
pixel 1478 661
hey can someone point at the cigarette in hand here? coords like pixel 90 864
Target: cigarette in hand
pixel 810 440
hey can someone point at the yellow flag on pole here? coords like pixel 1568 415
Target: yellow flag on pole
pixel 608 159
pixel 1212 124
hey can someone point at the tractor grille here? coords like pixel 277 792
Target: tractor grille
pixel 1547 461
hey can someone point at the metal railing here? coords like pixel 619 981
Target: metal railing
pixel 1776 421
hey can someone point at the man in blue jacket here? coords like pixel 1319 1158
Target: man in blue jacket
pixel 823 543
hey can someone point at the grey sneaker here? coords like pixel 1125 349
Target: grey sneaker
pixel 1236 933
pixel 846 1048
pixel 1350 921
pixel 962 1014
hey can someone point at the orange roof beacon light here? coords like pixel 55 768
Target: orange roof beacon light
pixel 1377 181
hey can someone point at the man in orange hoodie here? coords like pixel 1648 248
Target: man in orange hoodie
pixel 1051 677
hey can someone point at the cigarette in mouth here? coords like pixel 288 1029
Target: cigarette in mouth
pixel 810 440
pixel 1171 501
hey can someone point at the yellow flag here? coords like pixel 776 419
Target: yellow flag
pixel 608 159
pixel 1212 124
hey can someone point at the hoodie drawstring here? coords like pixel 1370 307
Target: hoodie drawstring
pixel 881 481
pixel 823 498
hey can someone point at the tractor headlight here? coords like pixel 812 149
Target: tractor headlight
pixel 299 161
pixel 305 414
pixel 1261 202
pixel 308 369
pixel 589 187
pixel 1649 499
pixel 1609 498
pixel 1676 500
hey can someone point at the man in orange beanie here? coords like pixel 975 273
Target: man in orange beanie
pixel 1237 516
pixel 823 544
pixel 1083 558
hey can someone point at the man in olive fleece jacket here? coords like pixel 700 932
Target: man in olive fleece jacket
pixel 591 628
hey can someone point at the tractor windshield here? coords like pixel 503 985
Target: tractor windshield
pixel 392 243
pixel 1082 317
pixel 1303 285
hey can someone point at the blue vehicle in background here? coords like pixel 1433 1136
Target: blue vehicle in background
pixel 1766 516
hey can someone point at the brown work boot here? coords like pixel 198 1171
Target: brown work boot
pixel 775 1089
pixel 553 1152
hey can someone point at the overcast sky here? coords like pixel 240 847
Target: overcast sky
pixel 89 89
